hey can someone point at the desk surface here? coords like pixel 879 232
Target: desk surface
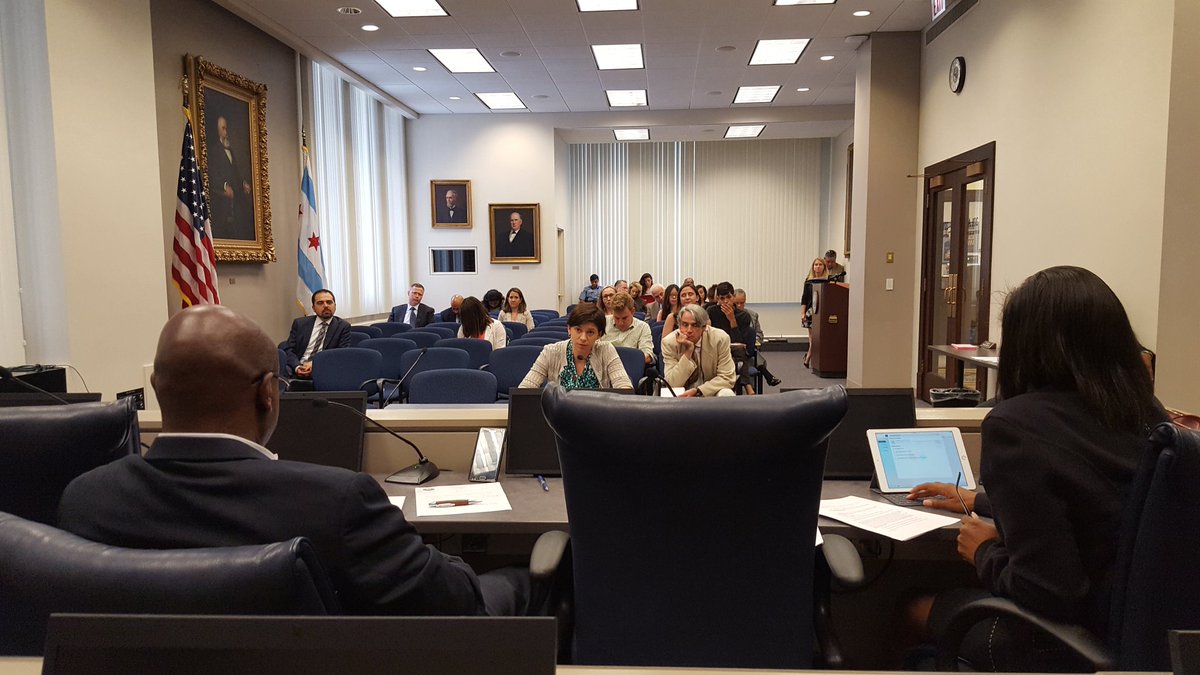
pixel 535 511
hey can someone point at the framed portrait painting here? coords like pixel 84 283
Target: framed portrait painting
pixel 450 203
pixel 515 233
pixel 231 147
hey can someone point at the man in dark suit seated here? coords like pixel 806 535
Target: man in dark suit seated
pixel 312 334
pixel 208 481
pixel 451 313
pixel 415 313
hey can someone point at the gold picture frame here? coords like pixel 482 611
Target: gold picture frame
pixel 442 212
pixel 230 113
pixel 523 248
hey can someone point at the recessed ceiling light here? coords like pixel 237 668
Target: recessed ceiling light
pixel 370 27
pixel 618 57
pixel 863 12
pixel 462 60
pixel 398 8
pixel 505 100
pixel 420 69
pixel 802 89
pixel 775 52
pixel 827 57
pixel 715 93
pixel 781 3
pixel 349 11
pixel 632 134
pixel 541 97
pixel 606 5
pixel 455 98
pixel 744 131
pixel 756 94
pixel 727 48
pixel 510 54
pixel 624 98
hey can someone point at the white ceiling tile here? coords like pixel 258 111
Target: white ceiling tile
pixel 499 42
pixel 381 74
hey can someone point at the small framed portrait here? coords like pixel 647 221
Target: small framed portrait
pixel 516 233
pixel 231 147
pixel 450 203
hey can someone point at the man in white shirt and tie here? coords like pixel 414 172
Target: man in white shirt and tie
pixel 316 333
pixel 415 313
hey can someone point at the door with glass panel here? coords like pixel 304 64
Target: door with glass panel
pixel 956 267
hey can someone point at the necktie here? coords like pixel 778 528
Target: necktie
pixel 321 337
pixel 412 315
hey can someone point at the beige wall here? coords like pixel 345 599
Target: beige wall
pixel 1178 317
pixel 1074 92
pixel 262 291
pixel 102 95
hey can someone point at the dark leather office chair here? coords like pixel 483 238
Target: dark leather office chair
pixel 1156 587
pixel 46 447
pixel 699 549
pixel 44 570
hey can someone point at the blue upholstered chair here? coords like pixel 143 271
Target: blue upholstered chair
pixel 511 364
pixel 346 369
pixel 423 338
pixel 515 329
pixel 357 337
pixel 478 350
pixel 549 331
pixel 432 358
pixel 391 328
pixel 693 581
pixel 570 308
pixel 392 349
pixel 444 332
pixel 453 385
pixel 450 325
pixel 371 331
pixel 635 363
pixel 536 340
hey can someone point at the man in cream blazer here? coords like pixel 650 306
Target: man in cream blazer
pixel 696 356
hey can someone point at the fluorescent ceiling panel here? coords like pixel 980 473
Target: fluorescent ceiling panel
pixel 632 134
pixel 775 52
pixel 618 57
pixel 756 94
pixel 781 3
pixel 399 8
pixel 504 100
pixel 623 98
pixel 605 5
pixel 462 60
pixel 744 131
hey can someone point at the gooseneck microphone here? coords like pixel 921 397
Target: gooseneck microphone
pixel 652 373
pixel 383 397
pixel 423 471
pixel 6 374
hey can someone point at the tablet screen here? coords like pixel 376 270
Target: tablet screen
pixel 908 457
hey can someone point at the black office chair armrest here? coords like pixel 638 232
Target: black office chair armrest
pixel 1075 638
pixel 845 564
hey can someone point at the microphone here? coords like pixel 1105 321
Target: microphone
pixel 652 373
pixel 383 397
pixel 421 472
pixel 6 374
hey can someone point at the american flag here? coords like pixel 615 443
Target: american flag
pixel 193 265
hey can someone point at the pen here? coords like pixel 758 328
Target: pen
pixel 542 481
pixel 957 482
pixel 441 503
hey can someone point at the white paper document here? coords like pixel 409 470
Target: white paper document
pixel 666 393
pixel 398 500
pixel 454 500
pixel 897 522
pixel 995 360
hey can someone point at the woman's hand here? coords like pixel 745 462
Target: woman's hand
pixel 973 533
pixel 930 491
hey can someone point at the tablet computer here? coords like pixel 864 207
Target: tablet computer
pixel 905 458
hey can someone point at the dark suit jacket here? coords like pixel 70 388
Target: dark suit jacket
pixel 443 214
pixel 424 314
pixel 338 335
pixel 206 491
pixel 448 315
pixel 520 247
pixel 744 333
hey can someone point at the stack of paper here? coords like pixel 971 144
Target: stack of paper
pixel 897 522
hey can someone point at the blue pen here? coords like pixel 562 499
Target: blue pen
pixel 542 480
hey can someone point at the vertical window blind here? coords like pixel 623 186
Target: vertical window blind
pixel 747 212
pixel 357 144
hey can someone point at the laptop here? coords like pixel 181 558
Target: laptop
pixel 849 456
pixel 77 644
pixel 326 434
pixel 905 458
pixel 529 445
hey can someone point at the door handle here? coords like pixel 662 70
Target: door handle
pixel 950 295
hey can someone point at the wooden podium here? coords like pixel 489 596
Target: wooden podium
pixel 829 330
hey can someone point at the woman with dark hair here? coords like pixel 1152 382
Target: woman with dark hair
pixel 670 303
pixel 475 323
pixel 582 361
pixel 687 296
pixel 493 300
pixel 515 308
pixel 644 283
pixel 1058 452
pixel 702 295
